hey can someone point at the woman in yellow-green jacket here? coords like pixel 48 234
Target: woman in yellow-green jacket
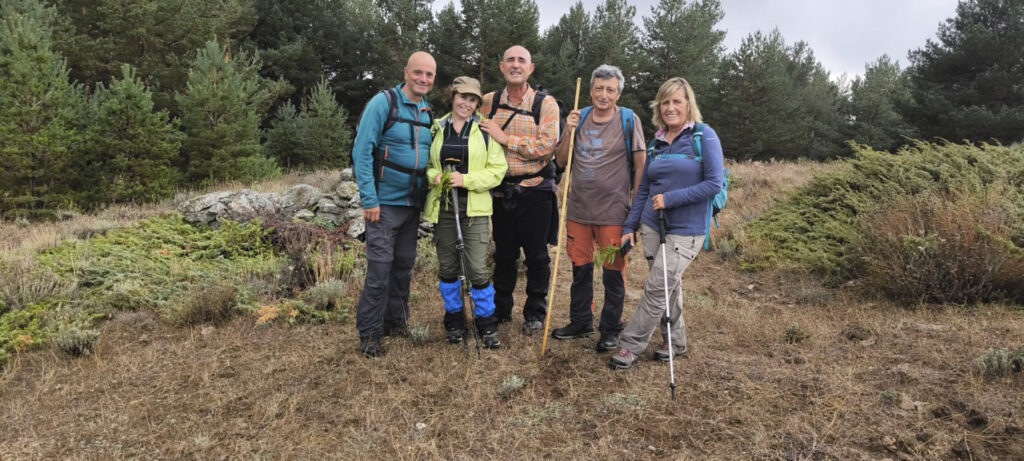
pixel 476 165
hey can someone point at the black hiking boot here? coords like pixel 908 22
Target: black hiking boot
pixel 371 347
pixel 608 342
pixel 491 340
pixel 572 330
pixel 456 336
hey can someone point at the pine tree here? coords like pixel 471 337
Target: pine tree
pixel 329 138
pixel 448 41
pixel 967 85
pixel 755 111
pixel 220 115
pixel 130 148
pixel 874 105
pixel 285 136
pixel 38 107
pixel 564 52
pixel 681 40
pixel 157 37
pixel 316 137
pixel 614 40
pixel 494 26
pixel 303 41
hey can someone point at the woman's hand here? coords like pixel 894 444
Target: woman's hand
pixel 658 202
pixel 437 179
pixel 627 238
pixel 456 179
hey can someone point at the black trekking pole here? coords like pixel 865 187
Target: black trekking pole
pixel 467 310
pixel 662 230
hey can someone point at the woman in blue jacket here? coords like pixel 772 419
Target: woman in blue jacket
pixel 476 165
pixel 678 180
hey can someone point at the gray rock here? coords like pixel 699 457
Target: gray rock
pixel 346 175
pixel 356 227
pixel 299 197
pixel 304 215
pixel 347 190
pixel 328 205
pixel 247 204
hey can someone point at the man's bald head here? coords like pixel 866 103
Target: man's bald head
pixel 419 75
pixel 516 65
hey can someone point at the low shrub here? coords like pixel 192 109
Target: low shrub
pixel 942 247
pixel 994 363
pixel 795 334
pixel 23 329
pixel 24 282
pixel 76 342
pixel 945 219
pixel 510 386
pixel 215 303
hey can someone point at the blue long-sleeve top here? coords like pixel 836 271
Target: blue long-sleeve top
pixel 687 184
pixel 409 148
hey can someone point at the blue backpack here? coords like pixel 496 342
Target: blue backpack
pixel 716 203
pixel 627 132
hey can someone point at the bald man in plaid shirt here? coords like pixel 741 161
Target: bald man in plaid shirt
pixel 525 204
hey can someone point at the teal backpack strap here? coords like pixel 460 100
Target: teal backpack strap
pixel 698 150
pixel 698 141
pixel 584 112
pixel 627 130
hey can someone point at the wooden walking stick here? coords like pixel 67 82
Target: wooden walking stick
pixel 561 226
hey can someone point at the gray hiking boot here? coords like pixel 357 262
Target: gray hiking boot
pixel 491 340
pixel 623 359
pixel 532 326
pixel 661 353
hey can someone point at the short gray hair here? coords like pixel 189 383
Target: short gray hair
pixel 608 71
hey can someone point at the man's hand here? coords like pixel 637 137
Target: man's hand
pixel 572 120
pixel 658 202
pixel 627 238
pixel 372 214
pixel 494 130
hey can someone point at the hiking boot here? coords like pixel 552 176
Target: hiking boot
pixel 607 342
pixel 572 330
pixel 532 326
pixel 622 359
pixel 371 347
pixel 491 340
pixel 455 336
pixel 661 353
pixel 398 330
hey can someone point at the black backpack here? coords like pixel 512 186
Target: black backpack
pixel 551 170
pixel 393 118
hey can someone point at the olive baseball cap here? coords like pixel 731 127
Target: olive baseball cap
pixel 467 85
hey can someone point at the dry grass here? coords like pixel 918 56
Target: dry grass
pixel 238 391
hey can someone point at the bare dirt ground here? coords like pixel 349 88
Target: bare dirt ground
pixel 872 381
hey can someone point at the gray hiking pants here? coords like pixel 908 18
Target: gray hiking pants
pixel 390 254
pixel 650 312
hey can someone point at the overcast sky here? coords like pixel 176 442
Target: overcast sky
pixel 845 35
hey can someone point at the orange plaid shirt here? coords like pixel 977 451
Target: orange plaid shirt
pixel 530 146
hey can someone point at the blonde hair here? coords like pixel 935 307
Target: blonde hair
pixel 668 89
